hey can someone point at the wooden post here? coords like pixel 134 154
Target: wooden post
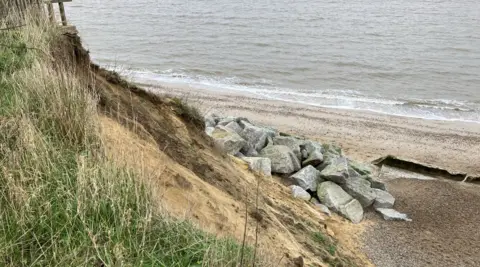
pixel 51 13
pixel 62 13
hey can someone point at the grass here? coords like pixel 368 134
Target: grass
pixel 63 203
pixel 188 112
pixel 321 239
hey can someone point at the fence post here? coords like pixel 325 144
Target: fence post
pixel 62 13
pixel 51 13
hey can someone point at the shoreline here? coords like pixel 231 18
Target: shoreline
pixel 365 135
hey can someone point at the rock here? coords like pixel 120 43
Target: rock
pixel 249 151
pixel 315 158
pixel 244 122
pixel 330 154
pixel 259 165
pixel 383 199
pixel 225 121
pixel 362 169
pixel 211 120
pixel 255 136
pixel 307 178
pixel 361 190
pixel 334 197
pixel 227 140
pixel 336 172
pixel 283 159
pixel 291 142
pixel 209 130
pixel 393 215
pixel 352 210
pixel 298 192
pixel 352 172
pixel 304 153
pixel 322 208
pixel 375 183
pixel 311 146
pixel 233 125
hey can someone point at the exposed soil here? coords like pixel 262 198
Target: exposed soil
pixel 444 231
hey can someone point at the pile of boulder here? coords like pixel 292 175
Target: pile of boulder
pixel 320 172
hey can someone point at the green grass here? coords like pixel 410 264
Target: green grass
pixel 63 203
pixel 321 239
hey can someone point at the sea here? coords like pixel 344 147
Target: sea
pixel 413 58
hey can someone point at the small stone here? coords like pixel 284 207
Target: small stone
pixel 298 192
pixel 322 208
pixel 393 215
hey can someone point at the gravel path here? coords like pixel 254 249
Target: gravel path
pixel 444 232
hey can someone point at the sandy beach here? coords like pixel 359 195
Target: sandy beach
pixel 363 135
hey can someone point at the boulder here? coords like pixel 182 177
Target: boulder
pixel 226 120
pixel 298 192
pixel 259 165
pixel 255 136
pixel 211 120
pixel 243 122
pixel 330 154
pixel 393 215
pixel 334 197
pixel 361 190
pixel 307 178
pixel 383 199
pixel 336 172
pixel 315 158
pixel 233 125
pixel 376 184
pixel 227 140
pixel 362 169
pixel 352 210
pixel 291 142
pixel 209 130
pixel 283 159
pixel 249 151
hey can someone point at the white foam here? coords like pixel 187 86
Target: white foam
pixel 434 109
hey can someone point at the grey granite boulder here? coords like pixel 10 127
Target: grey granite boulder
pixel 211 120
pixel 361 168
pixel 209 130
pixel 233 125
pixel 249 151
pixel 383 199
pixel 227 140
pixel 361 190
pixel 337 171
pixel 283 159
pixel 330 153
pixel 255 136
pixel 226 120
pixel 393 215
pixel 334 197
pixel 307 178
pixel 259 165
pixel 375 183
pixel 291 142
pixel 298 192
